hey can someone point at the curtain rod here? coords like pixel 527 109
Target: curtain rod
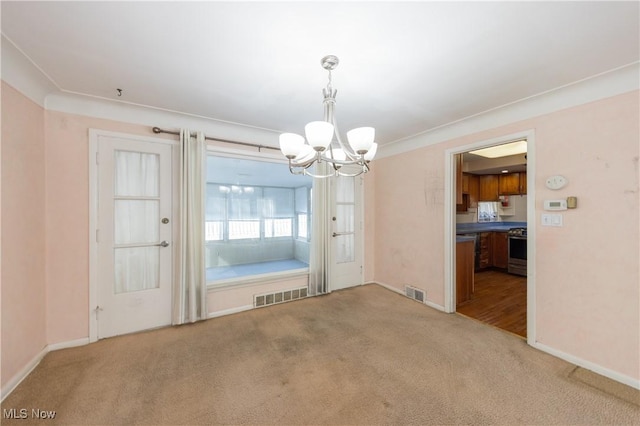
pixel 159 130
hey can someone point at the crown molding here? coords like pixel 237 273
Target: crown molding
pixel 125 112
pixel 611 83
pixel 19 71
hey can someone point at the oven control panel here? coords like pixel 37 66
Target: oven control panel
pixel 517 232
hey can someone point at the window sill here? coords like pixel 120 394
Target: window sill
pixel 255 279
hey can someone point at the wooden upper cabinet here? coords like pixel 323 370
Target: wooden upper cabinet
pixel 509 184
pixel 489 185
pixel 474 190
pixel 523 183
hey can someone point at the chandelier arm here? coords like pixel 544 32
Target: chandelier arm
pixel 319 176
pixel 365 169
pixel 303 166
pixel 350 153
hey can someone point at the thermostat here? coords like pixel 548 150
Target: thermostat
pixel 556 182
pixel 555 204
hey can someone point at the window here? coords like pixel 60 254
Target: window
pixel 257 218
pixel 277 209
pixel 303 207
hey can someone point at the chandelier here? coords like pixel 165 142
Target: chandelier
pixel 323 143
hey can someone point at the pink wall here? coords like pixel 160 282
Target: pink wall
pixel 369 225
pixel 23 232
pixel 68 221
pixel 587 272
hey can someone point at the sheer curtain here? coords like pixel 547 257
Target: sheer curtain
pixel 320 239
pixel 136 221
pixel 190 296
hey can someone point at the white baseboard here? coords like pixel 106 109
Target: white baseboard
pixel 435 306
pixel 27 369
pixel 23 373
pixel 229 311
pixel 69 344
pixel 603 371
pixel 388 287
pixel 397 290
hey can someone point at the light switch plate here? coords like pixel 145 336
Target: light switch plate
pixel 551 219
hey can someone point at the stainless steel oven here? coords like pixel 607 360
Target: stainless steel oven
pixel 517 263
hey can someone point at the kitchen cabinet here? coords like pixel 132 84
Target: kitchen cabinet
pixel 499 249
pixel 464 271
pixel 523 183
pixel 458 160
pixel 485 250
pixel 509 183
pixel 470 192
pixel 473 183
pixel 513 183
pixel 489 185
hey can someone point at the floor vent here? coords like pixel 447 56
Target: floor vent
pixel 279 297
pixel 414 293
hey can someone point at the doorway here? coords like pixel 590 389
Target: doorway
pixel 133 215
pixel 496 297
pixel 346 232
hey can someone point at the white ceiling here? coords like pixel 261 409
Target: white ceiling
pixel 405 68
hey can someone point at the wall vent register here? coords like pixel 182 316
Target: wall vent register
pixel 279 297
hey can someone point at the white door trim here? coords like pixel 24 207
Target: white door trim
pixel 94 139
pixel 450 223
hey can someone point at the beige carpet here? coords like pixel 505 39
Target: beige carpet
pixel 359 356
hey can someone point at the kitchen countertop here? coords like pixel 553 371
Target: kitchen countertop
pixel 461 239
pixel 470 228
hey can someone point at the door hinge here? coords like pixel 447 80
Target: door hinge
pixel 97 158
pixel 97 235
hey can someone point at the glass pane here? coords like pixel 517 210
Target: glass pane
pixel 216 202
pixel 136 269
pixel 345 189
pixel 244 205
pixel 136 221
pixel 277 202
pixel 242 229
pixel 345 218
pixel 136 174
pixel 213 231
pixel 277 228
pixel 302 195
pixel 345 247
pixel 302 226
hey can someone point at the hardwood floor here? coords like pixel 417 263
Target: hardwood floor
pixel 499 299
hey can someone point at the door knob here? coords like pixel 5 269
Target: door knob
pixel 163 244
pixel 165 220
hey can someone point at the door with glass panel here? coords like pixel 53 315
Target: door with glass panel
pixel 135 244
pixel 346 232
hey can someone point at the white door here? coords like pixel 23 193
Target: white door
pixel 135 245
pixel 346 234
